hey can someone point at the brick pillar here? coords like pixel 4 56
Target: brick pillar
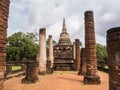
pixel 31 72
pixel 74 55
pixel 4 11
pixel 51 57
pixel 77 47
pixel 91 76
pixel 83 62
pixel 113 52
pixel 74 52
pixel 42 58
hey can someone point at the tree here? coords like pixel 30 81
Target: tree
pixel 21 46
pixel 101 52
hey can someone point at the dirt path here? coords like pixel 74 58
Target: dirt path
pixel 57 81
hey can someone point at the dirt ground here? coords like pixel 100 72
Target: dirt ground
pixel 58 81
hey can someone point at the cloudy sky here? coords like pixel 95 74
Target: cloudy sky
pixel 31 15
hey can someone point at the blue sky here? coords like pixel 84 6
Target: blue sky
pixel 31 15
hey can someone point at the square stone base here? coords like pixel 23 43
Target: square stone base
pixel 29 80
pixel 50 71
pixel 113 85
pixel 42 72
pixel 93 80
pixel 81 73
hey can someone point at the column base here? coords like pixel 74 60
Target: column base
pixel 81 73
pixel 29 80
pixel 42 72
pixel 93 80
pixel 113 85
pixel 50 71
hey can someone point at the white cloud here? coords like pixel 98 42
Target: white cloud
pixel 28 15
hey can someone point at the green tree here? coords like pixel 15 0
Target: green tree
pixel 21 46
pixel 101 52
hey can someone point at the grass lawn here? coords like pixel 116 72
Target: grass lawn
pixel 14 68
pixel 106 67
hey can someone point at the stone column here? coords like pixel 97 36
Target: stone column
pixel 74 52
pixel 83 62
pixel 31 72
pixel 77 47
pixel 91 76
pixel 42 58
pixel 4 11
pixel 51 57
pixel 113 52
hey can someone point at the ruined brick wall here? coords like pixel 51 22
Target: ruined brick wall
pixel 4 11
pixel 91 76
pixel 113 50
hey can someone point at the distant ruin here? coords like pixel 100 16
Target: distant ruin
pixel 63 52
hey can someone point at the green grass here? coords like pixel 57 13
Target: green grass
pixel 14 68
pixel 106 67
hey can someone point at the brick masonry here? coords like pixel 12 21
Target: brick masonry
pixel 77 47
pixel 4 12
pixel 82 70
pixel 91 76
pixel 113 50
pixel 31 72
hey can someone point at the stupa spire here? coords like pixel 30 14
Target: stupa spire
pixel 64 26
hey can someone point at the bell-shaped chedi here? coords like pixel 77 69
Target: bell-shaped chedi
pixel 63 52
pixel 64 37
pixel 91 76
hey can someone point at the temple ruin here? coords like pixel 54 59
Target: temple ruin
pixel 113 51
pixel 91 76
pixel 63 52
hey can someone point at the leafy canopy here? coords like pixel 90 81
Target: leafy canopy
pixel 21 45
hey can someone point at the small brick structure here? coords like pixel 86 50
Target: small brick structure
pixel 31 72
pixel 4 12
pixel 113 50
pixel 77 49
pixel 91 76
pixel 42 54
pixel 82 70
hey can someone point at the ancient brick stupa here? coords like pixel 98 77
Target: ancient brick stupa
pixel 63 51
